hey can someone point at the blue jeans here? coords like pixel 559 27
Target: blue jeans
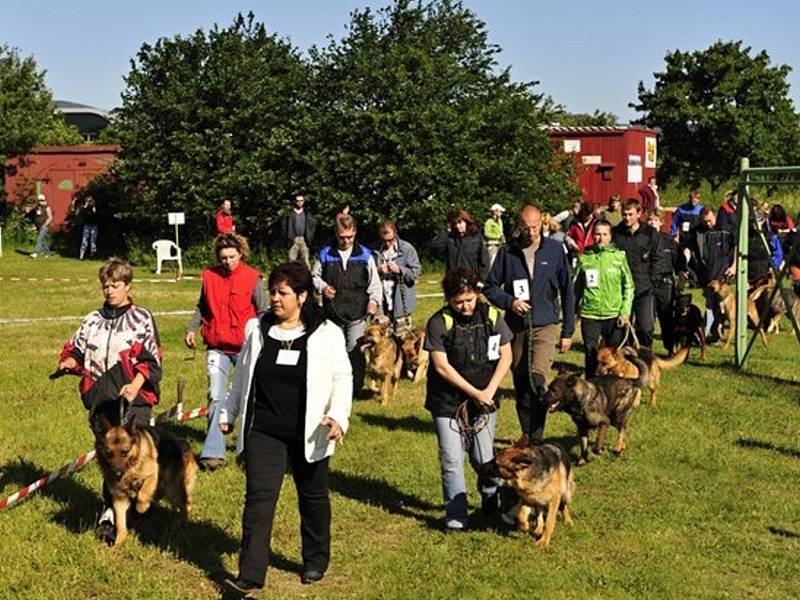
pixel 41 242
pixel 451 462
pixel 219 368
pixel 89 239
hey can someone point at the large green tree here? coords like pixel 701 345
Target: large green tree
pixel 210 116
pixel 411 117
pixel 716 105
pixel 28 115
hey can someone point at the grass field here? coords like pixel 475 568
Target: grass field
pixel 704 504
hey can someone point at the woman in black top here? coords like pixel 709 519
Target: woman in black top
pixel 463 245
pixel 290 418
pixel 470 354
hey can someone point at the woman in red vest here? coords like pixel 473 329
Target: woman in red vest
pixel 232 294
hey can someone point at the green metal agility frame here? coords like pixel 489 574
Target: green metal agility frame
pixel 761 176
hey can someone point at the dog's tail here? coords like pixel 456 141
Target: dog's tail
pixel 678 359
pixel 644 371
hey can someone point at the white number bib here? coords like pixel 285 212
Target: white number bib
pixel 592 278
pixel 521 290
pixel 493 352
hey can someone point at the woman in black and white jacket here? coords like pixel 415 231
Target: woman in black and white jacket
pixel 293 392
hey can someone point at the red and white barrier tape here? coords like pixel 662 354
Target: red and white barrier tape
pixel 75 465
pixel 81 461
pixel 192 414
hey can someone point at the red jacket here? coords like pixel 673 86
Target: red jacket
pixel 224 222
pixel 228 299
pixel 582 235
pixel 648 199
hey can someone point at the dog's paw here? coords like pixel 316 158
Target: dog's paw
pixel 597 450
pixel 582 462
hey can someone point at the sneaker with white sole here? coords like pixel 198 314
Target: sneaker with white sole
pixel 106 531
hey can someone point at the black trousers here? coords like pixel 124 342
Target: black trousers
pixel 662 298
pixel 644 321
pixel 592 330
pixel 266 461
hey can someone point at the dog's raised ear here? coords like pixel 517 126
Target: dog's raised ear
pixel 100 424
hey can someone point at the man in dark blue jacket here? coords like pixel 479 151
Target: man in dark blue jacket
pixel 526 279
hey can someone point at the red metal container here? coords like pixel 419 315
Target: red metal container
pixel 61 171
pixel 609 160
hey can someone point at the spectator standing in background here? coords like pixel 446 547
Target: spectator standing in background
pixel 298 229
pixel 649 195
pixel 224 218
pixel 613 212
pixel 493 231
pixel 43 216
pixel 462 245
pixel 88 215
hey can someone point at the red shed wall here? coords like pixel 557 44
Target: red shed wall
pixel 607 151
pixel 62 171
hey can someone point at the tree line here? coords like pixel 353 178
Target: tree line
pixel 407 115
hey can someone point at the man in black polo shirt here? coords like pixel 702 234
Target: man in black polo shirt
pixel 638 241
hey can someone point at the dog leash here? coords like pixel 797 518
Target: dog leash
pixel 469 429
pixel 629 332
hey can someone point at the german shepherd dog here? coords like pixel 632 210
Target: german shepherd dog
pixel 543 478
pixel 384 359
pixel 415 357
pixel 617 361
pixel 597 403
pixel 142 464
pixel 687 326
pixel 727 299
pixel 777 308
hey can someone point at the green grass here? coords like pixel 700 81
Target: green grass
pixel 703 504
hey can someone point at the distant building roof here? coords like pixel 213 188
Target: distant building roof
pixel 589 129
pixel 71 108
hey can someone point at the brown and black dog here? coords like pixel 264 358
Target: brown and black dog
pixel 415 357
pixel 616 361
pixel 777 308
pixel 143 464
pixel 383 357
pixel 727 299
pixel 596 403
pixel 544 481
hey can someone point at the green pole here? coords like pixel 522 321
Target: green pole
pixel 743 211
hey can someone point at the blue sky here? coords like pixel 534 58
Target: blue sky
pixel 586 54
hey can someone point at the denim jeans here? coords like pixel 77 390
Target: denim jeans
pixel 451 462
pixel 219 368
pixel 89 240
pixel 41 242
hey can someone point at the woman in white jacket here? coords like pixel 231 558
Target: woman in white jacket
pixel 293 392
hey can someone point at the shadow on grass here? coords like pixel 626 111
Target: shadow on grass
pixel 199 542
pixel 748 443
pixel 729 366
pixel 408 423
pixel 783 532
pixel 376 492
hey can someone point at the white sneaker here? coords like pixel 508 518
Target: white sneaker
pixel 33 255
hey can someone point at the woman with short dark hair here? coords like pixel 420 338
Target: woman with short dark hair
pixel 292 391
pixel 470 354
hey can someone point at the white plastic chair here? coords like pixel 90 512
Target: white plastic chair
pixel 167 250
